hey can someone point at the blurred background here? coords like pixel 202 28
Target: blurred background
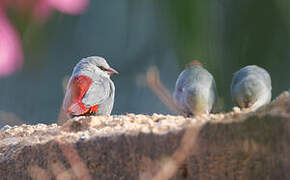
pixel 42 40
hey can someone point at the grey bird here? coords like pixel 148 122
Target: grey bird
pixel 90 91
pixel 195 90
pixel 251 87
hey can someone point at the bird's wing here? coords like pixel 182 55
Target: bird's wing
pixel 77 88
pixel 98 92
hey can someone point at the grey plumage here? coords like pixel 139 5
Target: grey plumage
pixel 195 91
pixel 251 87
pixel 101 91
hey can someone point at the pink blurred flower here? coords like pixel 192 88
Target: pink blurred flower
pixel 10 45
pixel 44 8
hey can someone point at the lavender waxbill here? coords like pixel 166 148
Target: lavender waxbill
pixel 90 91
pixel 195 90
pixel 251 87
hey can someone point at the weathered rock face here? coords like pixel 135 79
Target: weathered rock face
pixel 235 145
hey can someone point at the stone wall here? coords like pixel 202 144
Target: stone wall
pixel 234 145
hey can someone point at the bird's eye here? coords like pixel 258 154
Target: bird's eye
pixel 102 68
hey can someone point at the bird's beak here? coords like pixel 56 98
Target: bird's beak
pixel 112 71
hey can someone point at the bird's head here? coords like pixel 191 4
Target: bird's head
pixel 248 92
pixel 98 65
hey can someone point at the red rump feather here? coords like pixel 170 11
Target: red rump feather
pixel 79 85
pixel 94 108
pixel 194 63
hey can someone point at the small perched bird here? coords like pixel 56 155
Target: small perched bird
pixel 90 91
pixel 195 90
pixel 251 87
